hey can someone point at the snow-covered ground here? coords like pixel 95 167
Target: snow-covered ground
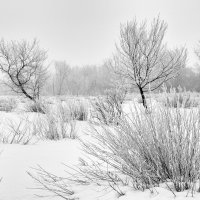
pixel 16 160
pixel 16 184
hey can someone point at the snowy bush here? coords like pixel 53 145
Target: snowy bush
pixel 148 149
pixel 108 109
pixel 178 99
pixel 78 110
pixel 38 107
pixel 55 126
pixel 53 184
pixel 73 110
pixel 18 133
pixel 142 151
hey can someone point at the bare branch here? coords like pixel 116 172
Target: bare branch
pixel 23 64
pixel 143 59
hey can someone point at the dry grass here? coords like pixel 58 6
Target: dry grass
pixel 51 183
pixel 18 133
pixel 38 107
pixel 143 151
pixel 108 109
pixel 180 98
pixel 78 110
pixel 57 124
pixel 150 149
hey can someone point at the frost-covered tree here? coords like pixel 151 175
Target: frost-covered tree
pixel 143 59
pixel 23 63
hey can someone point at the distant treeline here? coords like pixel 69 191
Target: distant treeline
pixel 95 80
pixel 87 80
pixel 188 79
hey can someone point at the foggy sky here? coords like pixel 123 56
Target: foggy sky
pixel 85 31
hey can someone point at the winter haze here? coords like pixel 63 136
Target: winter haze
pixel 85 31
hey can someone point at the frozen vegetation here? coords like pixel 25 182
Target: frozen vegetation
pixel 118 145
pixel 69 148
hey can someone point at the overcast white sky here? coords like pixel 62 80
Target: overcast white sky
pixel 85 31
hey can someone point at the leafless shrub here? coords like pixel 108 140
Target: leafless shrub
pixel 63 112
pixel 143 151
pixel 151 149
pixel 176 99
pixel 37 106
pixel 78 110
pixel 72 109
pixel 21 133
pixel 108 109
pixel 53 184
pixel 55 126
pixel 78 176
pixel 51 128
pixel 97 173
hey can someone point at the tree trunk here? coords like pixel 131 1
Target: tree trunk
pixel 25 93
pixel 143 98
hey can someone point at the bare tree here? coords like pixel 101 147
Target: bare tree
pixel 143 59
pixel 23 64
pixel 62 73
